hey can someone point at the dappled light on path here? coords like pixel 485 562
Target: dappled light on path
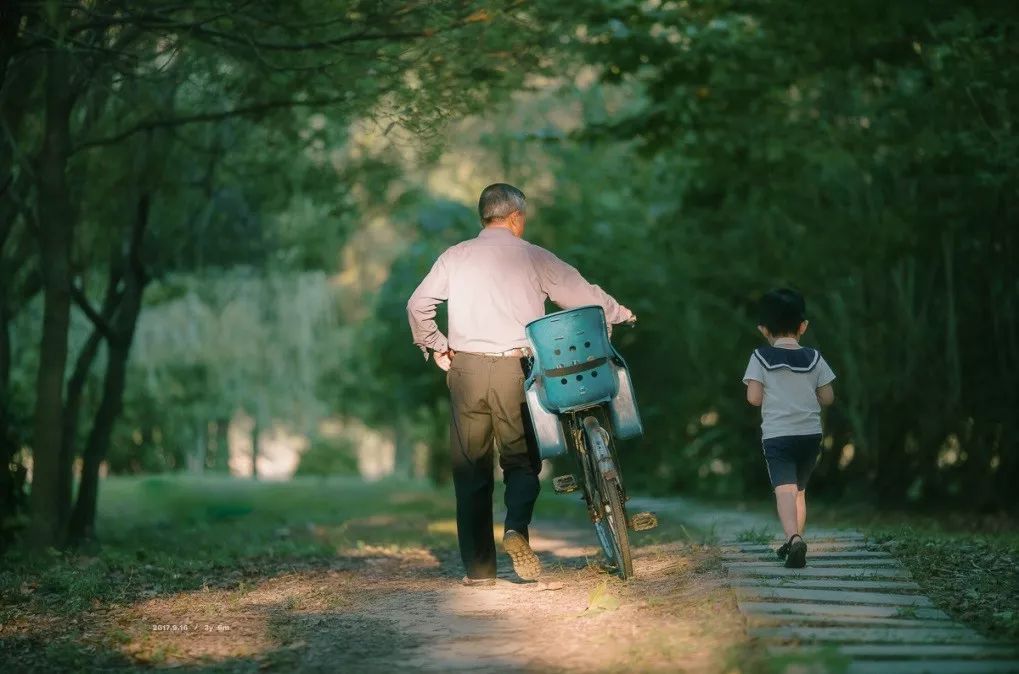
pixel 385 606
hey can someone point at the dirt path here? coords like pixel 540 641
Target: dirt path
pixel 384 610
pixel 415 616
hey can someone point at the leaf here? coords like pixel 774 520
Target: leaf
pixel 601 600
pixel 479 16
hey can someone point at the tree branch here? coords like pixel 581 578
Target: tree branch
pixel 100 323
pixel 242 111
pixel 154 21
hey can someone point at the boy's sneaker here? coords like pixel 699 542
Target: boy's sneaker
pixel 783 550
pixel 797 557
pixel 525 562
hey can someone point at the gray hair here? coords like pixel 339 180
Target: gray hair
pixel 499 200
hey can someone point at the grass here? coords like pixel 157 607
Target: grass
pixel 972 576
pixel 286 565
pixel 968 564
pixel 163 536
pixel 170 539
pixel 814 660
pixel 759 536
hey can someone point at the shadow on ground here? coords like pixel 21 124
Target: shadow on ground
pixel 379 608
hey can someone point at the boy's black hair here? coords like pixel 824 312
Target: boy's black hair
pixel 781 311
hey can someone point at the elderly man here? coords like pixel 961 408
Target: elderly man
pixel 494 284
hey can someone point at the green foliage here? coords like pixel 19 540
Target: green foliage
pixel 324 457
pixel 863 154
pixel 389 384
pixel 685 156
pixel 973 575
pixel 760 536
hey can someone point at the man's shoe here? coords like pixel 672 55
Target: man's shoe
pixel 797 558
pixel 525 562
pixel 477 582
pixel 783 550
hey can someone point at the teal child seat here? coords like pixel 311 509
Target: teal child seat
pixel 572 354
pixel 576 368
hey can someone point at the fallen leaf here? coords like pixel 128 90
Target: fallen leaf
pixel 601 599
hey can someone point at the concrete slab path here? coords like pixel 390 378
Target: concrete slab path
pixel 853 602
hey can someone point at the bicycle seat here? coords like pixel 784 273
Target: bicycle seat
pixel 574 358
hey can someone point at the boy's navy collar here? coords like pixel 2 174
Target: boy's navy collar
pixel 796 360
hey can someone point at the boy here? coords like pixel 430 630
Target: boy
pixel 790 383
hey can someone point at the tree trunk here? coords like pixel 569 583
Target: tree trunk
pixel 9 490
pixel 256 429
pixel 55 235
pixel 403 461
pixel 10 23
pixel 197 457
pixel 82 524
pixel 5 352
pixel 221 458
pixel 13 296
pixel 75 389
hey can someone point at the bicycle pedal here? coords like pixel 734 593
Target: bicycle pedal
pixel 643 521
pixel 564 484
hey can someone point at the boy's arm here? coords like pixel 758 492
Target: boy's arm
pixel 754 379
pixel 755 392
pixel 825 376
pixel 826 395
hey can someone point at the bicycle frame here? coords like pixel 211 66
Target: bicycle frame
pixel 579 395
pixel 590 460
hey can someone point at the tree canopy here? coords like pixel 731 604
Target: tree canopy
pixel 225 204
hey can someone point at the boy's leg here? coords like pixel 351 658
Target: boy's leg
pixel 785 499
pixel 801 511
pixel 782 472
pixel 808 451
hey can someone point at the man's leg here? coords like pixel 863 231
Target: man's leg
pixel 520 465
pixel 471 440
pixel 518 458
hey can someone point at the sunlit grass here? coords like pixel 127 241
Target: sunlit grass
pixel 190 544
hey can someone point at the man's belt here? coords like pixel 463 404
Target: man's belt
pixel 520 352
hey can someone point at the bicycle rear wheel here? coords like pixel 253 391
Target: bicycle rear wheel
pixel 611 527
pixel 615 513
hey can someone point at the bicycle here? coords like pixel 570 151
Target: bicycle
pixel 578 385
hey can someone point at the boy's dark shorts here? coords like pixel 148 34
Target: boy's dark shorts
pixel 791 458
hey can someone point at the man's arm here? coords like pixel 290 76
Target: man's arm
pixel 421 309
pixel 567 288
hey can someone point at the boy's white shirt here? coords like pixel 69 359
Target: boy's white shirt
pixel 790 405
